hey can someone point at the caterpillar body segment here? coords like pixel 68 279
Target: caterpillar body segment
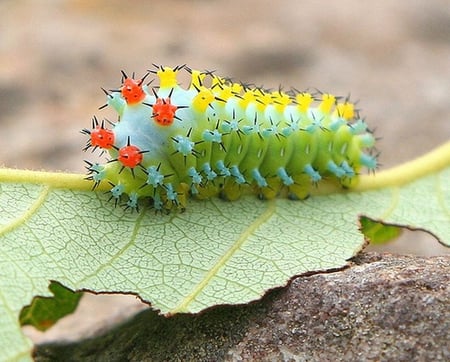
pixel 172 142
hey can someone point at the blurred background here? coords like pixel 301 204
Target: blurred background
pixel 391 56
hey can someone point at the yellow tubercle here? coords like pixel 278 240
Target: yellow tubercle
pixel 303 100
pixel 197 79
pixel 167 78
pixel 263 99
pixel 218 82
pixel 328 102
pixel 236 88
pixel 246 98
pixel 280 100
pixel 224 92
pixel 203 99
pixel 345 110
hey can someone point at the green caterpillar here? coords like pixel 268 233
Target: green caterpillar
pixel 222 139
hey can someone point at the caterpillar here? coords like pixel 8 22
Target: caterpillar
pixel 221 138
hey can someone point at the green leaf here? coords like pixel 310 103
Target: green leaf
pixel 420 205
pixel 377 232
pixel 216 252
pixel 45 312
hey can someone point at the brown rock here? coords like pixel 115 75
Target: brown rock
pixel 382 308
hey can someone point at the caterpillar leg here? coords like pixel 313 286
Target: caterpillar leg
pixel 301 187
pixel 272 190
pixel 231 190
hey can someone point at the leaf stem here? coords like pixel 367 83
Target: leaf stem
pixel 58 180
pixel 434 161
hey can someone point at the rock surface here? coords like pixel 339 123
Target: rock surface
pixel 381 308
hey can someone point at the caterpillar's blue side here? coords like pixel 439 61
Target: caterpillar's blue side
pixel 171 142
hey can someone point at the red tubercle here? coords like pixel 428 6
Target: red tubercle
pixel 132 91
pixel 130 156
pixel 164 111
pixel 102 137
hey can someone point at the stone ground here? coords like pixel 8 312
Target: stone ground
pixel 383 308
pixel 54 56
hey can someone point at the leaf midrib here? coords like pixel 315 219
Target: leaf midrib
pixel 236 246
